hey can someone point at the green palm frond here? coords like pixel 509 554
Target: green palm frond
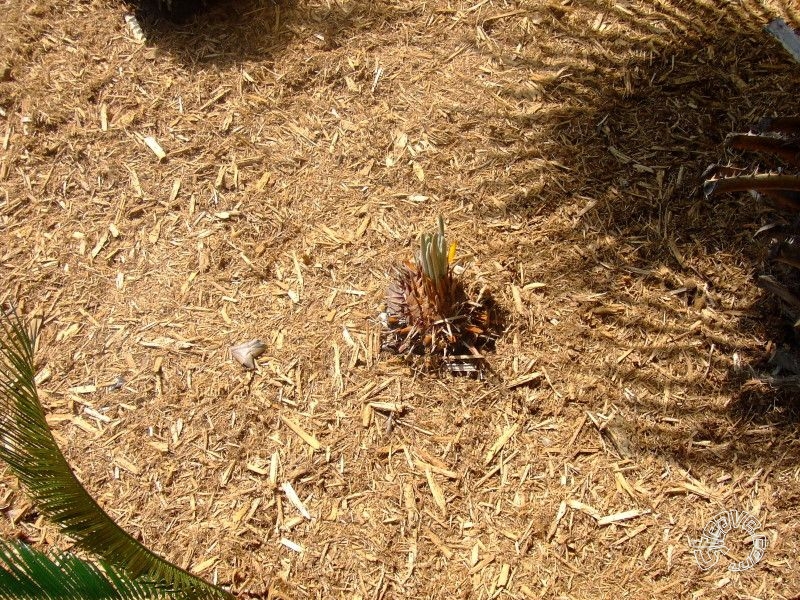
pixel 29 448
pixel 28 574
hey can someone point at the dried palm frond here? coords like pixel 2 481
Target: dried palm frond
pixel 428 311
pixel 774 138
pixel 777 137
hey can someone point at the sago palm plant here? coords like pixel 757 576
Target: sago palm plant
pixel 128 569
pixel 429 312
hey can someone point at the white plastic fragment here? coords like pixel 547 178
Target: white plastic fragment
pixel 136 29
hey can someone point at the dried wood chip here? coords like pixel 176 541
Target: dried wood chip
pixel 524 380
pixel 391 407
pixel 85 426
pixel 239 514
pixel 292 545
pixel 83 389
pixel 162 447
pixel 57 418
pixel 219 93
pixel 482 564
pixel 518 305
pixel 302 433
pixel 437 541
pixel 96 415
pixel 99 245
pixel 502 579
pixel 695 489
pixel 630 534
pixel 203 565
pixel 253 508
pixel 273 468
pixel 176 188
pixel 292 496
pixel 562 510
pixel 623 484
pixel 257 469
pixel 154 146
pixel 585 508
pixel 622 516
pixel 501 441
pixel 166 342
pixel 291 523
pixel 124 463
pixel 263 181
pixel 366 415
pixel 436 492
pixel 424 466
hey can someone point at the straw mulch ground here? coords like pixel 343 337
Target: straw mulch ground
pixel 307 146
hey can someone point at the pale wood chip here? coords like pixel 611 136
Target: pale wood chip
pixel 436 492
pixel 425 466
pixel 302 433
pixel 437 541
pixel 204 565
pixel 124 463
pixel 500 442
pixel 292 496
pixel 562 510
pixel 622 516
pixel 524 380
pixel 292 545
pixel 155 147
pixel 482 564
pixel 585 508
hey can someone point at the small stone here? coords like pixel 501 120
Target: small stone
pixel 246 353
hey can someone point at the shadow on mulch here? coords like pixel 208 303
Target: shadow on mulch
pixel 222 33
pixel 635 139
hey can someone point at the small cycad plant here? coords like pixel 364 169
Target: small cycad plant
pixel 429 312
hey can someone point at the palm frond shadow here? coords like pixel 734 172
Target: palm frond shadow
pixel 31 452
pixel 664 70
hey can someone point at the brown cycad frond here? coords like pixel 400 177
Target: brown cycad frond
pixel 429 313
pixel 777 139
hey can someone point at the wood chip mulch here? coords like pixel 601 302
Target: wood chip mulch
pixel 254 173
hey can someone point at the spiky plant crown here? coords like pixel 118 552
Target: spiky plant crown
pixel 428 311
